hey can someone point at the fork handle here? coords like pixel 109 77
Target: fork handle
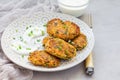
pixel 89 65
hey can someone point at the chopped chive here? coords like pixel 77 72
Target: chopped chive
pixel 20 47
pixel 12 45
pixel 43 33
pixel 30 26
pixel 65 26
pixel 27 28
pixel 25 42
pixel 66 52
pixel 31 33
pixel 45 25
pixel 16 30
pixel 59 47
pixel 22 55
pixel 13 38
pixel 28 48
pixel 21 38
pixel 38 40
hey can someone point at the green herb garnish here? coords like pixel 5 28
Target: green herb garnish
pixel 16 30
pixel 65 26
pixel 60 48
pixel 28 48
pixel 21 38
pixel 22 55
pixel 27 28
pixel 45 25
pixel 20 47
pixel 25 42
pixel 31 33
pixel 13 38
pixel 38 40
pixel 66 52
pixel 43 33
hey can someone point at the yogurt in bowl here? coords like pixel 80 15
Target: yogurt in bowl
pixel 73 7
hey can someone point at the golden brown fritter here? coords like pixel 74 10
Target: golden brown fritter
pixel 65 30
pixel 42 58
pixel 79 42
pixel 46 39
pixel 59 48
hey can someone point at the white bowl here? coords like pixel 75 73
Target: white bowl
pixel 73 7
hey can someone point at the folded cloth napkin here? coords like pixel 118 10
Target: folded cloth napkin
pixel 8 13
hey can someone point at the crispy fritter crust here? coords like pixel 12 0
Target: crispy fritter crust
pixel 59 48
pixel 42 58
pixel 46 39
pixel 79 42
pixel 65 30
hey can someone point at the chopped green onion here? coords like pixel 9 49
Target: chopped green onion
pixel 28 48
pixel 65 26
pixel 60 48
pixel 27 28
pixel 43 33
pixel 66 52
pixel 13 38
pixel 16 30
pixel 20 47
pixel 30 26
pixel 12 45
pixel 31 33
pixel 22 55
pixel 25 42
pixel 38 40
pixel 21 38
pixel 45 25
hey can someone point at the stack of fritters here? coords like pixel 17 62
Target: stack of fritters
pixel 57 45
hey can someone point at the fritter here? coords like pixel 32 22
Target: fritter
pixel 65 30
pixel 79 42
pixel 60 48
pixel 42 58
pixel 46 39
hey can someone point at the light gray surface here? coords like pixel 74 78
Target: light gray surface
pixel 106 23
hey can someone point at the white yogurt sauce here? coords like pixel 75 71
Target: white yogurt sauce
pixel 73 7
pixel 30 41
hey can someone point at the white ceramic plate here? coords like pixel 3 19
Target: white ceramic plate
pixel 40 19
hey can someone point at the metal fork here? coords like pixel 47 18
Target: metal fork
pixel 87 18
